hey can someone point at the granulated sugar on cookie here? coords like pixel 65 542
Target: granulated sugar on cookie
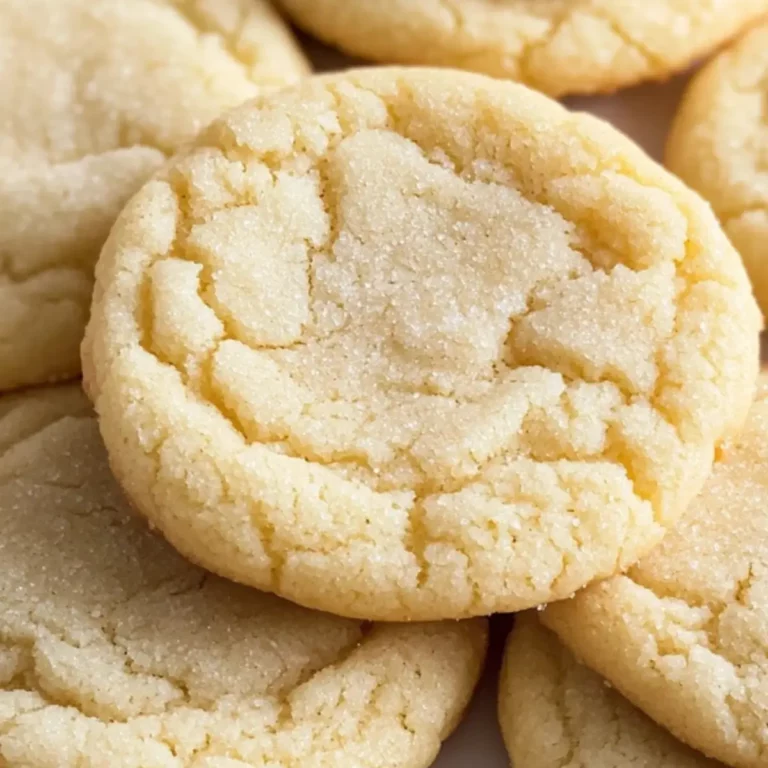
pixel 684 634
pixel 96 95
pixel 116 652
pixel 417 344
pixel 554 712
pixel 557 46
pixel 719 145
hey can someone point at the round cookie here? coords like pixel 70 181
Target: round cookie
pixel 557 46
pixel 114 651
pixel 555 712
pixel 417 344
pixel 97 94
pixel 719 146
pixel 684 633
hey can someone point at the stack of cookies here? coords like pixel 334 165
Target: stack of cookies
pixel 370 356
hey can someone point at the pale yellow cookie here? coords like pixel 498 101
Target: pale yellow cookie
pixel 719 146
pixel 685 633
pixel 96 94
pixel 555 712
pixel 557 46
pixel 117 653
pixel 417 344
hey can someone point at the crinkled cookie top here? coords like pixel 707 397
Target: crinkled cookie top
pixel 417 344
pixel 685 633
pixel 96 94
pixel 557 46
pixel 114 651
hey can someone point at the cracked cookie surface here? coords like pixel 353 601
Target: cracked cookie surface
pixel 719 146
pixel 556 46
pixel 414 344
pixel 114 651
pixel 683 634
pixel 556 713
pixel 98 93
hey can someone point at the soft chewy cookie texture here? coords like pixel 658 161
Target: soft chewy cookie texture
pixel 684 633
pixel 555 712
pixel 96 95
pixel 719 146
pixel 557 46
pixel 416 344
pixel 116 652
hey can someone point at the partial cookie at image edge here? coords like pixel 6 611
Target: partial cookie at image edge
pixel 682 633
pixel 99 94
pixel 559 48
pixel 718 145
pixel 115 651
pixel 553 712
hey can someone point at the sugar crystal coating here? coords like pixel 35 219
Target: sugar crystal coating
pixel 416 345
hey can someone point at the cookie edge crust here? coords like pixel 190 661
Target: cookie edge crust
pixel 315 18
pixel 687 152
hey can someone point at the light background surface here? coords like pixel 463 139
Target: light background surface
pixel 644 113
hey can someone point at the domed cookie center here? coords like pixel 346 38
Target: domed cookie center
pixel 406 320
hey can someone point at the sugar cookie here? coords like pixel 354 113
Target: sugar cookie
pixel 417 344
pixel 555 712
pixel 557 46
pixel 719 146
pixel 116 652
pixel 96 94
pixel 685 633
